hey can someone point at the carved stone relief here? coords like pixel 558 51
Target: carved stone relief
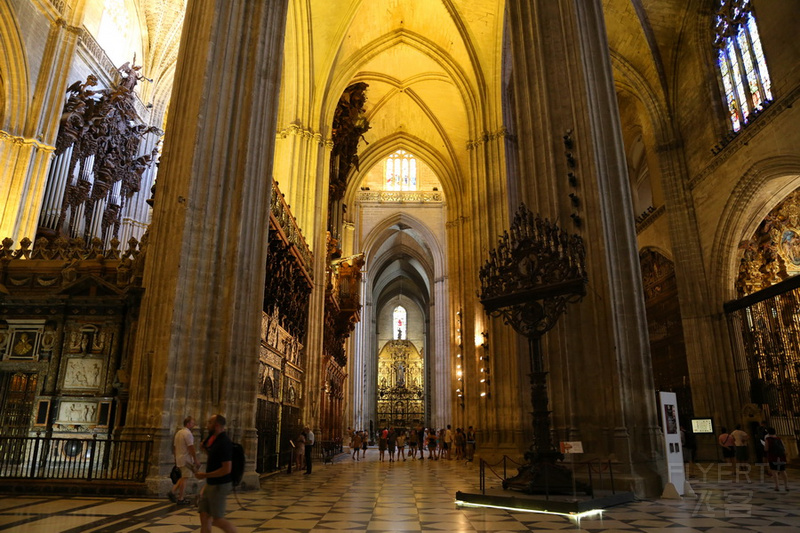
pixel 77 413
pixel 83 374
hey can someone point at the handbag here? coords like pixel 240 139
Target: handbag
pixel 175 474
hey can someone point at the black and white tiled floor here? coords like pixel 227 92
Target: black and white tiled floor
pixel 412 496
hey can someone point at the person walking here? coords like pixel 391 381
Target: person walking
pixel 459 443
pixel 391 442
pixel 470 443
pixel 401 444
pixel 432 445
pixel 759 436
pixel 364 443
pixel 776 456
pixel 355 443
pixel 412 443
pixel 218 477
pixel 447 449
pixel 300 452
pixel 727 443
pixel 309 449
pixel 382 443
pixel 185 459
pixel 740 439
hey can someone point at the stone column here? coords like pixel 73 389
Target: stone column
pixel 197 348
pixel 442 387
pixel 27 148
pixel 601 383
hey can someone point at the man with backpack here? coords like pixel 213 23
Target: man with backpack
pixel 218 475
pixel 776 455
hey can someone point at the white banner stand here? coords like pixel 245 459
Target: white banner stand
pixel 672 445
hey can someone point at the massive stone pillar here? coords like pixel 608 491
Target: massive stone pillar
pixel 493 406
pixel 601 383
pixel 197 348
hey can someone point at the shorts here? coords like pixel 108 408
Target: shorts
pixel 778 466
pixel 187 471
pixel 727 452
pixel 212 499
pixel 741 453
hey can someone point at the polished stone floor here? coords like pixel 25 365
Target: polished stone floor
pixel 405 496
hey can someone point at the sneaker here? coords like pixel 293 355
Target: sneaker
pixel 172 497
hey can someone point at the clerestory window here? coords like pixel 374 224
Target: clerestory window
pixel 401 172
pixel 740 58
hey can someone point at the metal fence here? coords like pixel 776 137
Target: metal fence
pixel 74 458
pixel 597 473
pixel 765 337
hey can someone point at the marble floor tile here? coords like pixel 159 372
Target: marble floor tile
pixel 411 496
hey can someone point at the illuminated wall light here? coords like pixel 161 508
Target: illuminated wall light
pixel 458 367
pixel 483 380
pixel 458 355
pixel 483 394
pixel 479 339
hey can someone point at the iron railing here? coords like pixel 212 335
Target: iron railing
pixel 74 458
pixel 765 337
pixel 598 473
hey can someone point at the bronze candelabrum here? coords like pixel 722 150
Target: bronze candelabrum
pixel 530 277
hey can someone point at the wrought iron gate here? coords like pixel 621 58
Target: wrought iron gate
pixel 765 335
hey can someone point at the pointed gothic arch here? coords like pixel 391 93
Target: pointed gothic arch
pixel 761 187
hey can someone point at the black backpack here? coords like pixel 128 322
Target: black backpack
pixel 237 464
pixel 776 447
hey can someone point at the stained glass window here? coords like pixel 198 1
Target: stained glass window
pixel 399 323
pixel 401 172
pixel 741 63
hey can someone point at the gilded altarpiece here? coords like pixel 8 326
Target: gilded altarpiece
pixel 772 254
pixel 401 385
pixel 765 321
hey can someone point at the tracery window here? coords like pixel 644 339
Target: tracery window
pixel 740 58
pixel 399 324
pixel 401 172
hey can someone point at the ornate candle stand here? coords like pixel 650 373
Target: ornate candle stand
pixel 529 279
